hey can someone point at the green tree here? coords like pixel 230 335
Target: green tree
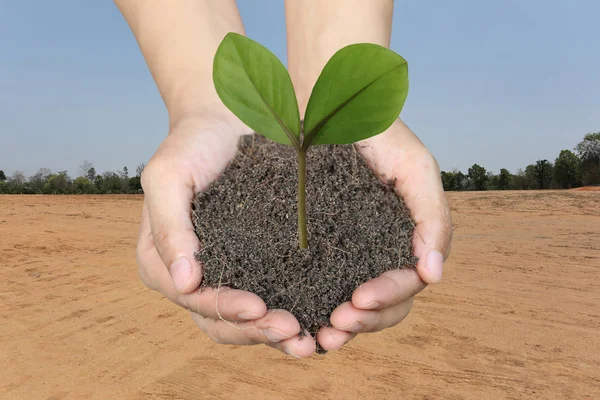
pixel 112 183
pixel 125 180
pixel 39 180
pixel 87 170
pixel 82 185
pixel 59 183
pixel 589 153
pixel 492 181
pixel 459 180
pixel 91 174
pixel 135 184
pixel 16 183
pixel 478 177
pixel 84 168
pixel 531 181
pixel 2 176
pixel 18 178
pixel 99 183
pixel 566 169
pixel 503 179
pixel 589 146
pixel 543 173
pixel 448 180
pixel 517 181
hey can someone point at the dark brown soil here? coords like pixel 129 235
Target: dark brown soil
pixel 247 225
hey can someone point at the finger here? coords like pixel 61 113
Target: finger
pixel 348 318
pixel 333 339
pixel 276 326
pixel 388 289
pixel 169 192
pixel 427 202
pixel 297 346
pixel 232 305
pixel 431 244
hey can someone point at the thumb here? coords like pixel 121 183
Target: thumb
pixel 431 244
pixel 169 195
pixel 432 237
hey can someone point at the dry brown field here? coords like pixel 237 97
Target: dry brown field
pixel 517 315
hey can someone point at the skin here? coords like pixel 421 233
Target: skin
pixel 179 40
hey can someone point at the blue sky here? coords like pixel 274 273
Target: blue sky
pixel 501 84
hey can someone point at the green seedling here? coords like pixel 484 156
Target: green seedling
pixel 359 94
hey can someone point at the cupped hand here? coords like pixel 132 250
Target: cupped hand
pixel 192 156
pixel 386 300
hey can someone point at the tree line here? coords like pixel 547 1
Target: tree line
pixel 88 181
pixel 569 170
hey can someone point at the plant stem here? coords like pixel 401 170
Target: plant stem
pixel 302 198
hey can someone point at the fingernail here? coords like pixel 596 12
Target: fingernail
pixel 371 305
pixel 354 327
pixel 274 335
pixel 180 272
pixel 289 351
pixel 434 265
pixel 248 315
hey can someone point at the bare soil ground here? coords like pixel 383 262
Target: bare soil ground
pixel 517 315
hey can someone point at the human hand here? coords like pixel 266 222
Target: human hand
pixel 189 159
pixel 386 300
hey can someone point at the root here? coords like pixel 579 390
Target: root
pixel 218 290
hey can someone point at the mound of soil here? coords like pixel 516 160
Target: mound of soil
pixel 247 225
pixel 587 189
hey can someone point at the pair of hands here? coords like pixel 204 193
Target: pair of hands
pixel 196 151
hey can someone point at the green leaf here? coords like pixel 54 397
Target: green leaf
pixel 359 94
pixel 257 88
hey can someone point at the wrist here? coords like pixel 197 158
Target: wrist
pixel 213 117
pixel 317 29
